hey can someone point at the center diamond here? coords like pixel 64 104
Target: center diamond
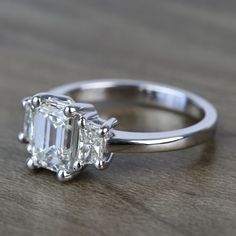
pixel 57 141
pixel 53 143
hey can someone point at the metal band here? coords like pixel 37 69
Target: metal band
pixel 154 94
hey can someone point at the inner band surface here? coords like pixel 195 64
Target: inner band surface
pixel 166 99
pixel 148 94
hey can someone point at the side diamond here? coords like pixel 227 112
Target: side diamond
pixel 52 137
pixel 92 146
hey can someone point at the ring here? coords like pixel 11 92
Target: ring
pixel 64 135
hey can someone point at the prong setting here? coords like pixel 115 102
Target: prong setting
pixel 87 117
pixel 22 138
pixel 107 126
pixel 104 164
pixel 36 101
pixel 82 122
pixel 30 164
pixel 78 109
pixel 25 102
pixel 79 135
pixel 77 166
pixel 29 148
pixel 64 175
pixel 70 111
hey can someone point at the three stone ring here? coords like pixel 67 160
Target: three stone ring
pixel 64 135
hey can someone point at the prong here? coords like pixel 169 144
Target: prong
pixel 107 126
pixel 25 101
pixel 29 149
pixel 22 138
pixel 64 175
pixel 30 164
pixel 102 165
pixel 36 101
pixel 87 116
pixel 77 167
pixel 70 111
pixel 82 122
pixel 77 109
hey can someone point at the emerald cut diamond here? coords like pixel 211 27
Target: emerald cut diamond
pixel 61 142
pixel 53 141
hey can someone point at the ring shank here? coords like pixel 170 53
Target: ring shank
pixel 153 94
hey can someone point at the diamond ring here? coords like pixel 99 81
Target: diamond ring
pixel 64 135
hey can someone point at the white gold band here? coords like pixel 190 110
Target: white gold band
pixel 154 94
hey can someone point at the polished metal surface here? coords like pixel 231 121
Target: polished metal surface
pixel 148 94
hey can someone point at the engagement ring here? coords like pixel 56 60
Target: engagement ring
pixel 64 135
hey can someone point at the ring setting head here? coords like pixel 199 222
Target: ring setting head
pixel 64 136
